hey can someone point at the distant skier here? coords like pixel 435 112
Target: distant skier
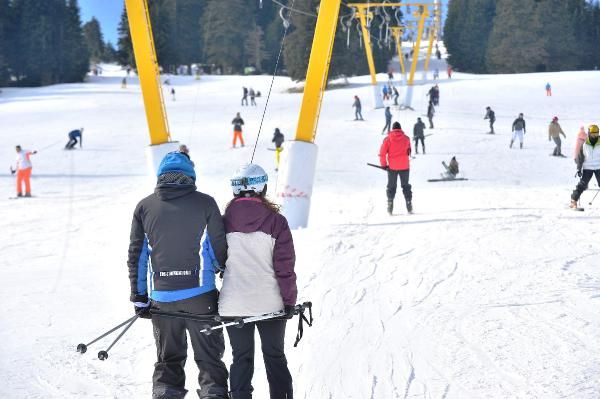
pixel 588 164
pixel 124 83
pixel 23 170
pixel 357 109
pixel 388 121
pixel 252 96
pixel 244 96
pixel 451 169
pixel 385 92
pixel 173 93
pixel 554 132
pixel 396 95
pixel 581 137
pixel 436 74
pixel 449 71
pixel 391 74
pixel 278 139
pixel 394 157
pixel 518 129
pixel 491 116
pixel 438 54
pixel 237 123
pixel 430 113
pixel 419 135
pixel 73 136
pixel 434 95
pixel 548 90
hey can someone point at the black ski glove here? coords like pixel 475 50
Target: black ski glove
pixel 290 311
pixel 579 174
pixel 385 167
pixel 142 309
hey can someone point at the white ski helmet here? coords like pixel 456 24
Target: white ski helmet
pixel 250 177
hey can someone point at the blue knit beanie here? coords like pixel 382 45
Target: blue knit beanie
pixel 176 162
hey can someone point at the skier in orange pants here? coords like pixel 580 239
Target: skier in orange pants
pixel 23 170
pixel 237 123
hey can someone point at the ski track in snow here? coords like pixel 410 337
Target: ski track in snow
pixel 489 290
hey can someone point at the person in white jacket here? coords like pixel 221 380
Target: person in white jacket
pixel 588 164
pixel 23 171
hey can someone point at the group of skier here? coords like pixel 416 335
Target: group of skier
pixel 250 247
pixel 251 93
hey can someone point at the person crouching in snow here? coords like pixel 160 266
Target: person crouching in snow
pixel 393 157
pixel 451 169
pixel 73 136
pixel 588 164
pixel 259 278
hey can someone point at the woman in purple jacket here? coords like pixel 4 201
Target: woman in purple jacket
pixel 259 278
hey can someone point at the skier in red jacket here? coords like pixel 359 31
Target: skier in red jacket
pixel 394 157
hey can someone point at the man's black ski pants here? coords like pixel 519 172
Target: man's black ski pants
pixel 586 176
pixel 171 348
pixel 393 184
pixel 272 334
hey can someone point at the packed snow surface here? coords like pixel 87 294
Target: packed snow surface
pixel 491 289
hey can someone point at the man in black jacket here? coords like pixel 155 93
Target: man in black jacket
pixel 419 134
pixel 491 115
pixel 167 229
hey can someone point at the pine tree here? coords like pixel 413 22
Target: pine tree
pixel 296 50
pixel 476 29
pixel 125 55
pixel 37 39
pixel 94 40
pixel 254 48
pixel 531 36
pixel 162 17
pixel 188 33
pixel 75 59
pixel 453 39
pixel 225 25
pixel 4 31
pixel 110 53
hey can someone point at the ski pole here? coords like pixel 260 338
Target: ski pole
pixel 240 322
pixel 189 316
pixel 82 348
pixel 103 355
pixel 594 197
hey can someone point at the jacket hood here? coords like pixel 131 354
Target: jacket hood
pixel 246 215
pixel 396 134
pixel 167 191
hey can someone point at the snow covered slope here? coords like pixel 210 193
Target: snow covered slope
pixel 490 290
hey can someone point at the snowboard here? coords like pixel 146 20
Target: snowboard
pixel 273 149
pixel 14 198
pixel 560 155
pixel 457 179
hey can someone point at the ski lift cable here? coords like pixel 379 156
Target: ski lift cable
pixel 292 9
pixel 285 31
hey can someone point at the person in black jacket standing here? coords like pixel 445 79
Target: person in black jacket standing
pixel 491 115
pixel 518 128
pixel 419 134
pixel 167 228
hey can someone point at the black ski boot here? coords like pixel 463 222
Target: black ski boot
pixel 409 207
pixel 390 206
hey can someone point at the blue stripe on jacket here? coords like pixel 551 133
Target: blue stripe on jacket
pixel 142 276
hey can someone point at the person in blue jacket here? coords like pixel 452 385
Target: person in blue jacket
pixel 167 274
pixel 73 136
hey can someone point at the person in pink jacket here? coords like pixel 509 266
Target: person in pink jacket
pixel 581 137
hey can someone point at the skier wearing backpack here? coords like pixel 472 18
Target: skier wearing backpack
pixel 394 158
pixel 518 129
pixel 259 278
pixel 588 164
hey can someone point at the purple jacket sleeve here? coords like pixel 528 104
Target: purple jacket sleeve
pixel 284 260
